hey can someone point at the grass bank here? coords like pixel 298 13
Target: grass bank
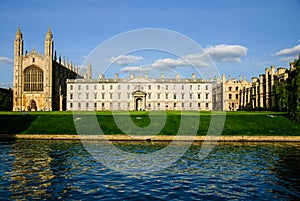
pixel 236 123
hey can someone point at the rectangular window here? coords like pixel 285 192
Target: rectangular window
pixel 199 96
pixel 95 87
pixel 167 95
pixel 95 95
pixel 206 87
pixel 79 87
pixel 87 105
pixel 128 95
pixel 110 96
pixel 199 105
pixel 158 104
pixel 191 96
pixel 103 95
pixel 167 87
pixel 206 96
pixel 182 96
pixel 71 105
pixel 71 87
pixel 199 87
pixel 128 86
pixel 87 96
pixel 182 105
pixel 87 87
pixel 207 105
pixel 71 96
pixel 95 105
pixel 102 87
pixel 191 104
pixel 119 87
pixel 191 87
pixel 158 87
pixel 182 87
pixel 158 96
pixel 149 87
pixel 79 95
pixel 175 96
pixel 79 105
pixel 119 96
pixel 149 96
pixel 110 87
pixel 103 105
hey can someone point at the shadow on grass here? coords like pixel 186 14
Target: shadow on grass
pixel 15 124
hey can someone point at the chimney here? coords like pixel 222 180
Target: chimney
pixel 223 78
pixel 162 76
pixel 146 75
pixel 116 76
pixel 101 76
pixel 177 76
pixel 193 76
pixel 131 75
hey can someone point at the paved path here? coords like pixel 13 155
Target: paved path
pixel 153 138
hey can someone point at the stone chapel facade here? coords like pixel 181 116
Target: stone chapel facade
pixel 40 79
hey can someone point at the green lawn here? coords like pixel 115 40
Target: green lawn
pixel 236 123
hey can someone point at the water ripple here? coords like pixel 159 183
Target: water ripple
pixel 64 170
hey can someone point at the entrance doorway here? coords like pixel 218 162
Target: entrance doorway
pixel 139 104
pixel 139 100
pixel 33 105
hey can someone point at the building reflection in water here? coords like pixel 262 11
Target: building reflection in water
pixel 31 173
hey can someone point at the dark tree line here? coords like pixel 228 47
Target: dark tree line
pixel 6 100
pixel 287 94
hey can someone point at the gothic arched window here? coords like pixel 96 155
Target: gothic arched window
pixel 33 79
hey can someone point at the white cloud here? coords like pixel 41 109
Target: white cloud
pixel 125 59
pixel 226 53
pixel 287 59
pixel 135 69
pixel 218 53
pixel 168 62
pixel 293 51
pixel 264 63
pixel 6 60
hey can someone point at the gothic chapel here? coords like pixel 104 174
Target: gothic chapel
pixel 40 79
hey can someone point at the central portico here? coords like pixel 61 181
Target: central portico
pixel 139 98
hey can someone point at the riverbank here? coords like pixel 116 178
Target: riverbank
pixel 62 123
pixel 152 138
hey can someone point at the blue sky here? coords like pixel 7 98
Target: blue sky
pixel 243 37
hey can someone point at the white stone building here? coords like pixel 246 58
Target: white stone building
pixel 139 93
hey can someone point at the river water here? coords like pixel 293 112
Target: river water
pixel 64 170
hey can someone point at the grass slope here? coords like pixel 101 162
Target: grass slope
pixel 236 123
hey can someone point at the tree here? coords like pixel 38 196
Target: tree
pixel 294 92
pixel 281 95
pixel 5 100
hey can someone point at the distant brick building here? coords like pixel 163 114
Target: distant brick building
pixel 226 93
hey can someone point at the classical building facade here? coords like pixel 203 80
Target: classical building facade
pixel 139 93
pixel 40 79
pixel 261 92
pixel 226 93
